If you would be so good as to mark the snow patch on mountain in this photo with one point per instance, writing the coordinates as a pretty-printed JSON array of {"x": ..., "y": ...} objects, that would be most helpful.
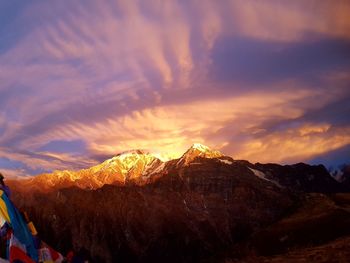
[
  {"x": 226, "y": 161},
  {"x": 262, "y": 176}
]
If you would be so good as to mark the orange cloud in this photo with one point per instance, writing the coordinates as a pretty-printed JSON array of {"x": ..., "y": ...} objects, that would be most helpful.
[
  {"x": 170, "y": 129},
  {"x": 294, "y": 145}
]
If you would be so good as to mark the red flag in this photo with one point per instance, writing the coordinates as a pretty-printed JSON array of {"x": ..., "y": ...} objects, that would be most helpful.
[{"x": 18, "y": 251}]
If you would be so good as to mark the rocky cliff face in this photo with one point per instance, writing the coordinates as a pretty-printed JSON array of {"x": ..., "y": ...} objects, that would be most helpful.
[{"x": 136, "y": 208}]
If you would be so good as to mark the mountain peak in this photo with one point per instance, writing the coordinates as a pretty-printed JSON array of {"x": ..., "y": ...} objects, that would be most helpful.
[
  {"x": 129, "y": 159},
  {"x": 198, "y": 150},
  {"x": 200, "y": 147}
]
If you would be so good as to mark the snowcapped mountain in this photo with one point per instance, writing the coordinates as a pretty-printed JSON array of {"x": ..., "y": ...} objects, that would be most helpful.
[
  {"x": 140, "y": 167},
  {"x": 129, "y": 166},
  {"x": 136, "y": 166}
]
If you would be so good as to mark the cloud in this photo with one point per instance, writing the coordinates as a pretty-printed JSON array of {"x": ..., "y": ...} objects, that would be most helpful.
[
  {"x": 171, "y": 128},
  {"x": 295, "y": 145},
  {"x": 40, "y": 162},
  {"x": 84, "y": 80}
]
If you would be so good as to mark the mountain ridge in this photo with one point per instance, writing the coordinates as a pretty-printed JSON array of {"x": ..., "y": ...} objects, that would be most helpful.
[
  {"x": 136, "y": 166},
  {"x": 140, "y": 167}
]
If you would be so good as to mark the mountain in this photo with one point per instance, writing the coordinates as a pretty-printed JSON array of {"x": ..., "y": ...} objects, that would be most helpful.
[
  {"x": 139, "y": 167},
  {"x": 201, "y": 207},
  {"x": 196, "y": 211},
  {"x": 345, "y": 175},
  {"x": 131, "y": 167},
  {"x": 126, "y": 167}
]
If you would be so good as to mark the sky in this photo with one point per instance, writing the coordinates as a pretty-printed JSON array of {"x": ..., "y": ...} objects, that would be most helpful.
[{"x": 81, "y": 81}]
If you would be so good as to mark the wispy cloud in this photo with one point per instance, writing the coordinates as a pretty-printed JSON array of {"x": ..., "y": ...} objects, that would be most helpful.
[{"x": 246, "y": 77}]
